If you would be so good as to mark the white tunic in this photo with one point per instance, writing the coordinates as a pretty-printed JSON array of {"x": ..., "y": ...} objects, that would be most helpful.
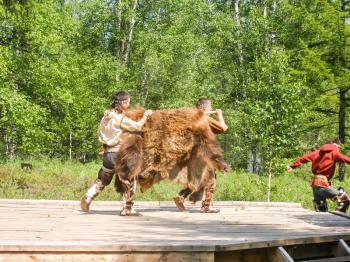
[{"x": 112, "y": 126}]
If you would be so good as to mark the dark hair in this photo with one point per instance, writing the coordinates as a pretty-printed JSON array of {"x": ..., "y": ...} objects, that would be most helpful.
[
  {"x": 119, "y": 97},
  {"x": 202, "y": 101}
]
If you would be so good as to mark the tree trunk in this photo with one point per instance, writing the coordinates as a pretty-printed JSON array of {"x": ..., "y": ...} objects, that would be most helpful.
[
  {"x": 341, "y": 132},
  {"x": 7, "y": 152},
  {"x": 119, "y": 27},
  {"x": 158, "y": 18},
  {"x": 250, "y": 161},
  {"x": 236, "y": 15},
  {"x": 124, "y": 47},
  {"x": 255, "y": 162},
  {"x": 144, "y": 89},
  {"x": 120, "y": 43},
  {"x": 342, "y": 104},
  {"x": 239, "y": 44},
  {"x": 269, "y": 182},
  {"x": 10, "y": 144},
  {"x": 70, "y": 146},
  {"x": 131, "y": 34}
]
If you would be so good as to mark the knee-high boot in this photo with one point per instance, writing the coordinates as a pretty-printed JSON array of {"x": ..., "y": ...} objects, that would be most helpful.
[
  {"x": 97, "y": 187},
  {"x": 128, "y": 198},
  {"x": 209, "y": 191}
]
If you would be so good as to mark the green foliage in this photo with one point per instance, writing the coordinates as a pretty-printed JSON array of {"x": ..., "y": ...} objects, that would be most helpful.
[{"x": 275, "y": 68}]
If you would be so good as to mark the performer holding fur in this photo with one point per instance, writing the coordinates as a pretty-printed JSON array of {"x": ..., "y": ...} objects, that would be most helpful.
[
  {"x": 178, "y": 144},
  {"x": 323, "y": 166},
  {"x": 208, "y": 183},
  {"x": 112, "y": 125}
]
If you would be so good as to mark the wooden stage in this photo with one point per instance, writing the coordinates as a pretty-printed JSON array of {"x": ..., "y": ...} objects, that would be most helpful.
[{"x": 56, "y": 230}]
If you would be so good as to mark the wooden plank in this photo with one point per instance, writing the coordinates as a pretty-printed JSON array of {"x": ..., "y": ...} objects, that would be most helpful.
[
  {"x": 264, "y": 226},
  {"x": 150, "y": 240},
  {"x": 279, "y": 254},
  {"x": 146, "y": 203},
  {"x": 59, "y": 226},
  {"x": 137, "y": 257},
  {"x": 223, "y": 210},
  {"x": 191, "y": 213},
  {"x": 147, "y": 245}
]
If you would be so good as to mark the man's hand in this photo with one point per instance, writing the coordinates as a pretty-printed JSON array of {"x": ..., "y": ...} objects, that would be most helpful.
[
  {"x": 148, "y": 113},
  {"x": 289, "y": 169},
  {"x": 219, "y": 112}
]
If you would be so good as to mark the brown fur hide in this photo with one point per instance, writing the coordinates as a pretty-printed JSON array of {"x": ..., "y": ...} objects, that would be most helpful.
[{"x": 176, "y": 144}]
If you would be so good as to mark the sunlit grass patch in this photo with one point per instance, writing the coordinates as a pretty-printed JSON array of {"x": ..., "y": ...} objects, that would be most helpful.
[{"x": 55, "y": 179}]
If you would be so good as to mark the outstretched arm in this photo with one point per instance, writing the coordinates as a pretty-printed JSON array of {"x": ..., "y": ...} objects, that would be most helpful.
[
  {"x": 339, "y": 157},
  {"x": 300, "y": 161}
]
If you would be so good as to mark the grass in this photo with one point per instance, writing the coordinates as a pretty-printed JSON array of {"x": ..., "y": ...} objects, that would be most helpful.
[{"x": 55, "y": 179}]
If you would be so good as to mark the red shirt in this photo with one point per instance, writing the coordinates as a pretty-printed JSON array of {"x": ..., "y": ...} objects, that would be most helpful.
[{"x": 323, "y": 163}]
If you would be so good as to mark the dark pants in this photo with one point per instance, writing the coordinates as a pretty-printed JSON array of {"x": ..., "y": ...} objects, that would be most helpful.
[
  {"x": 321, "y": 194},
  {"x": 109, "y": 162},
  {"x": 105, "y": 175},
  {"x": 105, "y": 178}
]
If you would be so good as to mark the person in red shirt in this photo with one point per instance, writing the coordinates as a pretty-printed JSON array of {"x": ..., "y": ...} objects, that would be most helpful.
[{"x": 323, "y": 166}]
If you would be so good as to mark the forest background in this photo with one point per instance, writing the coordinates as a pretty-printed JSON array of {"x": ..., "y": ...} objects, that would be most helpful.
[{"x": 279, "y": 70}]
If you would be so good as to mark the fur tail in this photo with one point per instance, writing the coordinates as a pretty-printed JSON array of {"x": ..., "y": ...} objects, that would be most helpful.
[{"x": 129, "y": 162}]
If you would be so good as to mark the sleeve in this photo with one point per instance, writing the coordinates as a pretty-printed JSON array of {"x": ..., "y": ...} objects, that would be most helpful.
[
  {"x": 302, "y": 160},
  {"x": 130, "y": 125},
  {"x": 339, "y": 157},
  {"x": 216, "y": 126}
]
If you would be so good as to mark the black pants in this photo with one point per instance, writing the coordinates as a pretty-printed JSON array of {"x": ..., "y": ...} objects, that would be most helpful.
[
  {"x": 323, "y": 193},
  {"x": 108, "y": 164}
]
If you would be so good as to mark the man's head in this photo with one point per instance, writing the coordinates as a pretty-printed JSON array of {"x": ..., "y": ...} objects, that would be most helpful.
[
  {"x": 336, "y": 142},
  {"x": 121, "y": 100},
  {"x": 204, "y": 104}
]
